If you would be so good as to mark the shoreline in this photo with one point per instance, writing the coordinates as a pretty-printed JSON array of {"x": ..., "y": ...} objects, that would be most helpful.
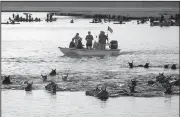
[{"x": 129, "y": 13}]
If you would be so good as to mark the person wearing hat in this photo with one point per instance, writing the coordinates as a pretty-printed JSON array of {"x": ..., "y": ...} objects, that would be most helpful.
[
  {"x": 102, "y": 40},
  {"x": 76, "y": 38},
  {"x": 89, "y": 39}
]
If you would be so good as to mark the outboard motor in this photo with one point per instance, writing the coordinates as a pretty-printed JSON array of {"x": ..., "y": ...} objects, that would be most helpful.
[{"x": 114, "y": 44}]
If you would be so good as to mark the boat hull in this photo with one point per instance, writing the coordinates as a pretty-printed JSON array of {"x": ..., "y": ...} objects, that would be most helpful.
[{"x": 85, "y": 52}]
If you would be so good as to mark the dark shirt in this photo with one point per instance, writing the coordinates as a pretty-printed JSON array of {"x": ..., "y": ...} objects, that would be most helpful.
[
  {"x": 102, "y": 39},
  {"x": 89, "y": 39},
  {"x": 79, "y": 46},
  {"x": 72, "y": 45}
]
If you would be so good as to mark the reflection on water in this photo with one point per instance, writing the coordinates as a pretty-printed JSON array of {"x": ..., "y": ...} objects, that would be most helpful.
[{"x": 40, "y": 103}]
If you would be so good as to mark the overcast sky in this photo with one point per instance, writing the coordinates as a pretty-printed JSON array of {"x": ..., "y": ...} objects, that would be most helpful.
[
  {"x": 30, "y": 5},
  {"x": 90, "y": 4}
]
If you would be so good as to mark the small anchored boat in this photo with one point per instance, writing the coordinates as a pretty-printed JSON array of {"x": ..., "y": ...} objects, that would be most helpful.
[
  {"x": 118, "y": 23},
  {"x": 72, "y": 21},
  {"x": 86, "y": 52},
  {"x": 9, "y": 23}
]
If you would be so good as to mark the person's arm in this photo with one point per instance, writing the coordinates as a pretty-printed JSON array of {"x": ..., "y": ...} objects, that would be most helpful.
[
  {"x": 73, "y": 38},
  {"x": 70, "y": 45},
  {"x": 107, "y": 37},
  {"x": 99, "y": 39}
]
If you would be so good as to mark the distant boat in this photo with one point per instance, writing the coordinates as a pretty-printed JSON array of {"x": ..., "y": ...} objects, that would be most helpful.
[
  {"x": 95, "y": 22},
  {"x": 72, "y": 21},
  {"x": 118, "y": 23},
  {"x": 86, "y": 52},
  {"x": 27, "y": 13},
  {"x": 157, "y": 23},
  {"x": 9, "y": 23},
  {"x": 53, "y": 19}
]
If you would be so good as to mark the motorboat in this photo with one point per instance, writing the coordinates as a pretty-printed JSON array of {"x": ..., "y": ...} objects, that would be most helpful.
[{"x": 87, "y": 52}]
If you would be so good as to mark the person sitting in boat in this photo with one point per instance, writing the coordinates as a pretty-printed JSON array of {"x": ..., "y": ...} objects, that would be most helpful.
[
  {"x": 72, "y": 44},
  {"x": 76, "y": 38},
  {"x": 12, "y": 22},
  {"x": 102, "y": 40},
  {"x": 79, "y": 45},
  {"x": 89, "y": 39}
]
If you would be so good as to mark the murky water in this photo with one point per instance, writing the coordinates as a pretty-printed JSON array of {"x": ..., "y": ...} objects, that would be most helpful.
[
  {"x": 32, "y": 48},
  {"x": 40, "y": 103}
]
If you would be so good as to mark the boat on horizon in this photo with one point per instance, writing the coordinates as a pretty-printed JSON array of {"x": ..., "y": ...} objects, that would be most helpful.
[{"x": 9, "y": 23}]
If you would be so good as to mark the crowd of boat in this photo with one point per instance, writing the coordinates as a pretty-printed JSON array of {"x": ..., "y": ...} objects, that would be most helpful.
[
  {"x": 162, "y": 20},
  {"x": 154, "y": 21},
  {"x": 16, "y": 18}
]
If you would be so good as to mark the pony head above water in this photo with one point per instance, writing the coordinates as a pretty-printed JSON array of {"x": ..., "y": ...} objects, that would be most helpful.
[
  {"x": 161, "y": 74},
  {"x": 130, "y": 64},
  {"x": 52, "y": 87},
  {"x": 53, "y": 72},
  {"x": 160, "y": 78},
  {"x": 173, "y": 66},
  {"x": 44, "y": 77},
  {"x": 6, "y": 80},
  {"x": 103, "y": 94},
  {"x": 29, "y": 86},
  {"x": 64, "y": 77},
  {"x": 166, "y": 66},
  {"x": 146, "y": 65}
]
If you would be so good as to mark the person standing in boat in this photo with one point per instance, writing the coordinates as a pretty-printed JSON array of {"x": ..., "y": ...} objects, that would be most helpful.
[
  {"x": 89, "y": 39},
  {"x": 76, "y": 38},
  {"x": 102, "y": 40}
]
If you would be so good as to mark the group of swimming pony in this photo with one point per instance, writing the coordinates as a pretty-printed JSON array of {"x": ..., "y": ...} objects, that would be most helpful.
[{"x": 101, "y": 45}]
